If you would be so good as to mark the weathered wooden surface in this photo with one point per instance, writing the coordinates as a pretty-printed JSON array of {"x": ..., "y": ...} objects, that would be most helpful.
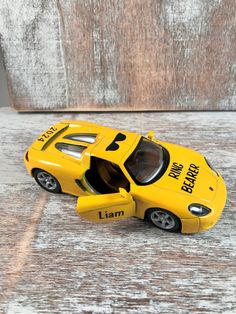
[
  {"x": 120, "y": 55},
  {"x": 52, "y": 261}
]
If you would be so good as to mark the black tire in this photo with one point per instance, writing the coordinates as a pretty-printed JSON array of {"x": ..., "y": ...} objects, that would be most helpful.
[
  {"x": 163, "y": 219},
  {"x": 47, "y": 181}
]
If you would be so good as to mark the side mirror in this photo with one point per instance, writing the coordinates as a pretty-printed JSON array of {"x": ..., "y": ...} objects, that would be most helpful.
[
  {"x": 151, "y": 135},
  {"x": 123, "y": 192}
]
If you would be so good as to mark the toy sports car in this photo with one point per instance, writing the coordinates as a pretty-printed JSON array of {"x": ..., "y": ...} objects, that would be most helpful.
[{"x": 120, "y": 174}]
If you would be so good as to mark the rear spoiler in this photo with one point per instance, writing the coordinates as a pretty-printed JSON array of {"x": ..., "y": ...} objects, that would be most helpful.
[{"x": 49, "y": 136}]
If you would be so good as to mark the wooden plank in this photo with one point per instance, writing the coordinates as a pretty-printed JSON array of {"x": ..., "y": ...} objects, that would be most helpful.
[
  {"x": 120, "y": 55},
  {"x": 52, "y": 261}
]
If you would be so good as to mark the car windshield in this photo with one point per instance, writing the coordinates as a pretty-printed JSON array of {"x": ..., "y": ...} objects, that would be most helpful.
[{"x": 147, "y": 162}]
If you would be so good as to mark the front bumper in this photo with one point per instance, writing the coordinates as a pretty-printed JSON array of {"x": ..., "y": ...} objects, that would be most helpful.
[
  {"x": 199, "y": 224},
  {"x": 217, "y": 206}
]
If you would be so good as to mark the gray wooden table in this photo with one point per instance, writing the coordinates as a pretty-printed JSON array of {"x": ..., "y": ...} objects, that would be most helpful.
[{"x": 52, "y": 261}]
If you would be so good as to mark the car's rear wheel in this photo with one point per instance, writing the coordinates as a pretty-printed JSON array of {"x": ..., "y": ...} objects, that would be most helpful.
[
  {"x": 47, "y": 181},
  {"x": 164, "y": 219}
]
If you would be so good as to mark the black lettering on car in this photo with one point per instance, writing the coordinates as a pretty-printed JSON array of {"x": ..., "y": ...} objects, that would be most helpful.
[
  {"x": 47, "y": 134},
  {"x": 186, "y": 189},
  {"x": 106, "y": 215},
  {"x": 191, "y": 174},
  {"x": 175, "y": 170},
  {"x": 190, "y": 179}
]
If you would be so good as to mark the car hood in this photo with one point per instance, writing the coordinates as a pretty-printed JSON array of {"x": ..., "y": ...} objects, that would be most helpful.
[{"x": 188, "y": 174}]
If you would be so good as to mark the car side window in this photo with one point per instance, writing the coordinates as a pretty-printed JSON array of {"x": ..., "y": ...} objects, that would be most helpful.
[
  {"x": 82, "y": 137},
  {"x": 70, "y": 149}
]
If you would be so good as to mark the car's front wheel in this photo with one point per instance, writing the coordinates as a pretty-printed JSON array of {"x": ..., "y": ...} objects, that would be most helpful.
[
  {"x": 163, "y": 219},
  {"x": 47, "y": 181}
]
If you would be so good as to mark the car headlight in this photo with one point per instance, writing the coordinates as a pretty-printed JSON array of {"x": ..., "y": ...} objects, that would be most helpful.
[{"x": 199, "y": 210}]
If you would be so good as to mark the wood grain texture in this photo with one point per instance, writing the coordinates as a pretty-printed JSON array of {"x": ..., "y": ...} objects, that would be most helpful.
[
  {"x": 52, "y": 261},
  {"x": 120, "y": 55}
]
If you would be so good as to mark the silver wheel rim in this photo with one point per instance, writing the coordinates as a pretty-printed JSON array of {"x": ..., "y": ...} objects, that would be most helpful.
[
  {"x": 162, "y": 220},
  {"x": 47, "y": 181}
]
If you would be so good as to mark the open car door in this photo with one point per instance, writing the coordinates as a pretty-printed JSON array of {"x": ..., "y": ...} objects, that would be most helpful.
[{"x": 106, "y": 207}]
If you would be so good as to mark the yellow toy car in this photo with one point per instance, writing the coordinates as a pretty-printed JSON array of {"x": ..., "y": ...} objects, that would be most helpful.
[{"x": 120, "y": 174}]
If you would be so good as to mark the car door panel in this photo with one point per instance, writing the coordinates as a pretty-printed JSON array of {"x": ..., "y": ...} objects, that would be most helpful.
[{"x": 106, "y": 207}]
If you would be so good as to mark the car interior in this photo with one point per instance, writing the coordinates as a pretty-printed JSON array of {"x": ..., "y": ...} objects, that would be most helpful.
[{"x": 106, "y": 177}]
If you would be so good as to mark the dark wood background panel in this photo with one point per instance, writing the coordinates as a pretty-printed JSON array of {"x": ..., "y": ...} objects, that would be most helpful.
[{"x": 120, "y": 55}]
